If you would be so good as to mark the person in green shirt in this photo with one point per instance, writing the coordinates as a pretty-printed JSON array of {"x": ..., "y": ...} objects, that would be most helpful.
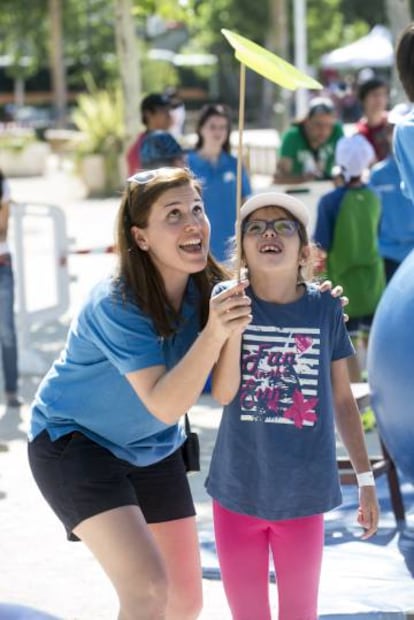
[{"x": 307, "y": 150}]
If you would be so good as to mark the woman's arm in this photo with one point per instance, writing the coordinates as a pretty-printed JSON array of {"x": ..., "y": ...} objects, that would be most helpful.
[
  {"x": 169, "y": 394},
  {"x": 349, "y": 426},
  {"x": 284, "y": 174}
]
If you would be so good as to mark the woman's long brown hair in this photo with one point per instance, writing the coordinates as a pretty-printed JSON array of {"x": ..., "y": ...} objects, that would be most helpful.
[{"x": 138, "y": 277}]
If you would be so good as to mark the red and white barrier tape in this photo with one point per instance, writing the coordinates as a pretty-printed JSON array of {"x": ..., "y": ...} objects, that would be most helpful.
[{"x": 109, "y": 249}]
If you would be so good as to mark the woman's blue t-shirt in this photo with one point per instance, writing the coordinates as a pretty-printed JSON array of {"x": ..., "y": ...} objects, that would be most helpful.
[
  {"x": 86, "y": 389},
  {"x": 403, "y": 147}
]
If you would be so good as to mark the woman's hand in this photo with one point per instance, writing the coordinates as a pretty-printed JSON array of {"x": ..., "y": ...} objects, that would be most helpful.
[
  {"x": 336, "y": 291},
  {"x": 229, "y": 312}
]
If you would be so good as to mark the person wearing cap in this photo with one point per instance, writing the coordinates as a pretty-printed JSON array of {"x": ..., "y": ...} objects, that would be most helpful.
[
  {"x": 346, "y": 234},
  {"x": 155, "y": 115},
  {"x": 396, "y": 233},
  {"x": 404, "y": 130},
  {"x": 273, "y": 471},
  {"x": 212, "y": 162},
  {"x": 159, "y": 149},
  {"x": 373, "y": 95},
  {"x": 308, "y": 147}
]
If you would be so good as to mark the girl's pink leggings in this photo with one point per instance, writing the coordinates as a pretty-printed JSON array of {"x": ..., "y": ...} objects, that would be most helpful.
[{"x": 243, "y": 545}]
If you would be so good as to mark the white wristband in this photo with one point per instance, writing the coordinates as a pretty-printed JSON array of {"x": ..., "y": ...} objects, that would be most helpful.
[{"x": 366, "y": 479}]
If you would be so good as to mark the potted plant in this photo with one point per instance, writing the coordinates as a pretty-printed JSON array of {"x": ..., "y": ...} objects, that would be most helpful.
[
  {"x": 21, "y": 154},
  {"x": 99, "y": 117}
]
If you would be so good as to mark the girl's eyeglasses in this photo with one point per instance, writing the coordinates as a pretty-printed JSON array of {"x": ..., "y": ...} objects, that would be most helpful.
[{"x": 284, "y": 228}]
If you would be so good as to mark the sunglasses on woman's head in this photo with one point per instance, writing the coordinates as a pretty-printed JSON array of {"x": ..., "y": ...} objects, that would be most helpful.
[
  {"x": 145, "y": 176},
  {"x": 141, "y": 178},
  {"x": 284, "y": 228}
]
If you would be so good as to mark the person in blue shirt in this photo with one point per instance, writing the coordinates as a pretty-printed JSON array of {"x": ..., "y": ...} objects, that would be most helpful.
[
  {"x": 105, "y": 438},
  {"x": 396, "y": 231},
  {"x": 212, "y": 162},
  {"x": 404, "y": 130},
  {"x": 284, "y": 384}
]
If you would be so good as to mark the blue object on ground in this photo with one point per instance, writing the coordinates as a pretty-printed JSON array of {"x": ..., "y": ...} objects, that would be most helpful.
[
  {"x": 9, "y": 611},
  {"x": 390, "y": 367}
]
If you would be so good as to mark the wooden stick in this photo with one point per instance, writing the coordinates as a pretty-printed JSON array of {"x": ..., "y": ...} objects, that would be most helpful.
[{"x": 242, "y": 91}]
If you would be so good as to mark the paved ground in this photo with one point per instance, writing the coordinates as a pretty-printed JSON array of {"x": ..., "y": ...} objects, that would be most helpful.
[{"x": 38, "y": 568}]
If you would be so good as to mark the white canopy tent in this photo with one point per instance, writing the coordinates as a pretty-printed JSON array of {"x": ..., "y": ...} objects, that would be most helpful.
[
  {"x": 182, "y": 60},
  {"x": 373, "y": 50}
]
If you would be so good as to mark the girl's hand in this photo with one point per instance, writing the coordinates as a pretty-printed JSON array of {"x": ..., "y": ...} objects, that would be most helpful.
[
  {"x": 229, "y": 312},
  {"x": 336, "y": 291},
  {"x": 368, "y": 511}
]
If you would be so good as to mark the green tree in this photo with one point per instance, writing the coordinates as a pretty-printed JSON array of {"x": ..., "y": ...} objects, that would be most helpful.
[
  {"x": 57, "y": 62},
  {"x": 89, "y": 43},
  {"x": 399, "y": 14},
  {"x": 88, "y": 38},
  {"x": 22, "y": 43},
  {"x": 129, "y": 66}
]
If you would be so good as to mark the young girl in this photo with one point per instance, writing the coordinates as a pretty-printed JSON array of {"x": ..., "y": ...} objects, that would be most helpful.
[
  {"x": 105, "y": 443},
  {"x": 284, "y": 383}
]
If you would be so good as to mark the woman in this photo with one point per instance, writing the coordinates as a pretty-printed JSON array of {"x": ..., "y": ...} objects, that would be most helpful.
[
  {"x": 8, "y": 341},
  {"x": 212, "y": 162},
  {"x": 104, "y": 434}
]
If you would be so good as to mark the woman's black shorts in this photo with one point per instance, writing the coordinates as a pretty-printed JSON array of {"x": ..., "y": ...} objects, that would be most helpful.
[{"x": 80, "y": 479}]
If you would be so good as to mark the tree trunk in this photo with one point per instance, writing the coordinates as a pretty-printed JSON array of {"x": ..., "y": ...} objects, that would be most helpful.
[
  {"x": 301, "y": 53},
  {"x": 274, "y": 109},
  {"x": 399, "y": 16},
  {"x": 129, "y": 67},
  {"x": 57, "y": 62}
]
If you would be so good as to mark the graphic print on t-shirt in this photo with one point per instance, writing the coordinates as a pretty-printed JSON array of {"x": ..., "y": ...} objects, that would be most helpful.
[{"x": 280, "y": 375}]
